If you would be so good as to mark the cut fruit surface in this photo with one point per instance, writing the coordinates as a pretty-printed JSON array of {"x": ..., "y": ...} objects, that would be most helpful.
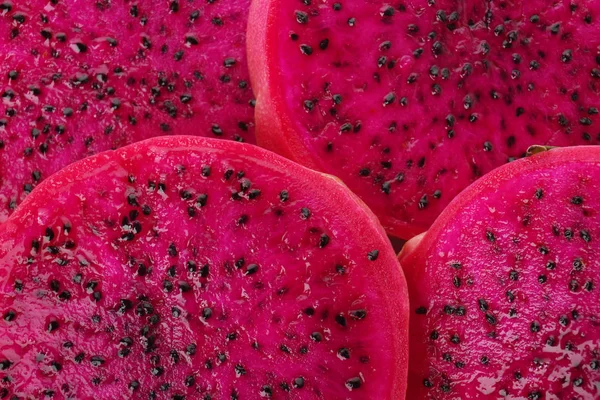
[
  {"x": 81, "y": 77},
  {"x": 408, "y": 102},
  {"x": 504, "y": 286},
  {"x": 192, "y": 268}
]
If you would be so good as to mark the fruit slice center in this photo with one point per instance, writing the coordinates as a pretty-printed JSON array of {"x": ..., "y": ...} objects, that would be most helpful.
[
  {"x": 162, "y": 273},
  {"x": 511, "y": 307}
]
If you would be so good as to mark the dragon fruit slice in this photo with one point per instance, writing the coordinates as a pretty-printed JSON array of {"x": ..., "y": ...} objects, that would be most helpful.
[
  {"x": 80, "y": 77},
  {"x": 410, "y": 101},
  {"x": 193, "y": 268},
  {"x": 504, "y": 296}
]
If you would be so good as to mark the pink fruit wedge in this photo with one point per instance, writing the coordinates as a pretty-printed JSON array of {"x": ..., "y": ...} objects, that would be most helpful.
[
  {"x": 81, "y": 77},
  {"x": 504, "y": 286},
  {"x": 410, "y": 101},
  {"x": 191, "y": 268}
]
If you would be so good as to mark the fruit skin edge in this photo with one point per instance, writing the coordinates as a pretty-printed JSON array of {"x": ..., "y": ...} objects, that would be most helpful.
[
  {"x": 272, "y": 117},
  {"x": 418, "y": 246}
]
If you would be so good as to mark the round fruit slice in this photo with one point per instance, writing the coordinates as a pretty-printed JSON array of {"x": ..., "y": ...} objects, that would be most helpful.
[
  {"x": 504, "y": 286},
  {"x": 408, "y": 102},
  {"x": 190, "y": 268},
  {"x": 80, "y": 77}
]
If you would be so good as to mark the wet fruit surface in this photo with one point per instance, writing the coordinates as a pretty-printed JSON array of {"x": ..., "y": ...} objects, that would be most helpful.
[
  {"x": 199, "y": 270},
  {"x": 80, "y": 77},
  {"x": 408, "y": 102},
  {"x": 511, "y": 304}
]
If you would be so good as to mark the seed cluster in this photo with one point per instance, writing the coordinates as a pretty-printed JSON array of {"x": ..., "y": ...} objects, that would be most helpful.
[{"x": 83, "y": 78}]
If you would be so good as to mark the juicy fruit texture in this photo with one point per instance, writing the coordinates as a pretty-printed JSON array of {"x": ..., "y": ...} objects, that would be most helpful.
[
  {"x": 408, "y": 102},
  {"x": 505, "y": 300},
  {"x": 187, "y": 268},
  {"x": 80, "y": 77}
]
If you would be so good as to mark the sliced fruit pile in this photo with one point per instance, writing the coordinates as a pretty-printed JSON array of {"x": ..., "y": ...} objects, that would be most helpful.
[{"x": 144, "y": 257}]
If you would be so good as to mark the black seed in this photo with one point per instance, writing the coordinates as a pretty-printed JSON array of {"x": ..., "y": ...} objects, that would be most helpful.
[
  {"x": 97, "y": 361},
  {"x": 573, "y": 285},
  {"x": 490, "y": 319},
  {"x": 266, "y": 391},
  {"x": 577, "y": 200},
  {"x": 191, "y": 39},
  {"x": 191, "y": 349},
  {"x": 308, "y": 105},
  {"x": 304, "y": 212},
  {"x": 52, "y": 326},
  {"x": 421, "y": 310},
  {"x": 306, "y": 49},
  {"x": 189, "y": 381},
  {"x": 353, "y": 383},
  {"x": 184, "y": 286},
  {"x": 298, "y": 382},
  {"x": 229, "y": 62},
  {"x": 301, "y": 17},
  {"x": 323, "y": 240},
  {"x": 10, "y": 315},
  {"x": 389, "y": 99},
  {"x": 344, "y": 353},
  {"x": 194, "y": 15},
  {"x": 456, "y": 281},
  {"x": 358, "y": 314},
  {"x": 309, "y": 311},
  {"x": 251, "y": 269},
  {"x": 372, "y": 255}
]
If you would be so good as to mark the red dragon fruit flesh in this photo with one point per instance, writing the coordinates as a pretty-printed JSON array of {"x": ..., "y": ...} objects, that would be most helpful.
[
  {"x": 409, "y": 101},
  {"x": 193, "y": 268},
  {"x": 81, "y": 77},
  {"x": 504, "y": 286}
]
